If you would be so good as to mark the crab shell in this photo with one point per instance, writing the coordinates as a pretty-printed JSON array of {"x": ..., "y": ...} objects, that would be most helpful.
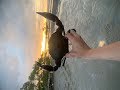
[{"x": 58, "y": 46}]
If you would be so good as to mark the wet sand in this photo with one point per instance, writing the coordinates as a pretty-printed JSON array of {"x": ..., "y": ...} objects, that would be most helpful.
[{"x": 96, "y": 21}]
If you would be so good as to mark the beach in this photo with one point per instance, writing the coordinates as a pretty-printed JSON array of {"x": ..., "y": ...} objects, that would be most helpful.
[{"x": 98, "y": 23}]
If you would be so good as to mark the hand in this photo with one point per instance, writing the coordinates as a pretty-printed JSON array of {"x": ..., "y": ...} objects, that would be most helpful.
[{"x": 79, "y": 47}]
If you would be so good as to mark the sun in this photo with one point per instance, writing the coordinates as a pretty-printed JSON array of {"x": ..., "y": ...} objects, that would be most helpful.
[{"x": 43, "y": 42}]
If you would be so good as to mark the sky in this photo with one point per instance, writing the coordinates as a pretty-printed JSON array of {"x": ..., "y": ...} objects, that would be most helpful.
[{"x": 20, "y": 40}]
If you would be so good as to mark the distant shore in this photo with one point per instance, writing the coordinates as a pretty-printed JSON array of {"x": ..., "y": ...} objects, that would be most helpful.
[{"x": 52, "y": 8}]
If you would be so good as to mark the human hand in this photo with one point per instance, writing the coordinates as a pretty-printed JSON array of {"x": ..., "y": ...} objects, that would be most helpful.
[{"x": 79, "y": 47}]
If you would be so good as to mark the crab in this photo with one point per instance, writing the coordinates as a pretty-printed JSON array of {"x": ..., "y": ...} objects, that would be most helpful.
[{"x": 57, "y": 44}]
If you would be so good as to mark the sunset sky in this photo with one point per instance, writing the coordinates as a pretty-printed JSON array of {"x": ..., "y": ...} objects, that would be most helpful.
[
  {"x": 40, "y": 22},
  {"x": 20, "y": 40}
]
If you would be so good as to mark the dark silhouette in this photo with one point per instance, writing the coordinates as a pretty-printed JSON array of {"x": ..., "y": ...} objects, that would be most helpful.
[{"x": 58, "y": 43}]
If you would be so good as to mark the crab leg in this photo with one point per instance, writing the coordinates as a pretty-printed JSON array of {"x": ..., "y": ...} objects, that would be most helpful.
[
  {"x": 49, "y": 67},
  {"x": 53, "y": 18}
]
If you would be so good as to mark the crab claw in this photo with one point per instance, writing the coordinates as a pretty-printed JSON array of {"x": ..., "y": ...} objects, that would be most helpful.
[{"x": 51, "y": 17}]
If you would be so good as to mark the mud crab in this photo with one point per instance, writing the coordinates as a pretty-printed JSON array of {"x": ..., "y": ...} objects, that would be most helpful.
[{"x": 58, "y": 43}]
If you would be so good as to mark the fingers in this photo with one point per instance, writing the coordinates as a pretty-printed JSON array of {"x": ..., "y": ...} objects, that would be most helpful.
[
  {"x": 73, "y": 32},
  {"x": 71, "y": 35},
  {"x": 78, "y": 44}
]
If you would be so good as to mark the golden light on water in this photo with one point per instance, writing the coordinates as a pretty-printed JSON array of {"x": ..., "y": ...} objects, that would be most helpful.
[
  {"x": 41, "y": 6},
  {"x": 44, "y": 38},
  {"x": 43, "y": 42}
]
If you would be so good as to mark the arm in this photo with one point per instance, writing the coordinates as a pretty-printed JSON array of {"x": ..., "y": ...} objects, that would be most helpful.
[
  {"x": 111, "y": 51},
  {"x": 81, "y": 49}
]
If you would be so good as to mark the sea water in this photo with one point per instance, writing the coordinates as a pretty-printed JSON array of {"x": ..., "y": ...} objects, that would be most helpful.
[{"x": 98, "y": 23}]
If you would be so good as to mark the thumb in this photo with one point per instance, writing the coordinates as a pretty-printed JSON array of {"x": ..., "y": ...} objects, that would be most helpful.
[{"x": 70, "y": 37}]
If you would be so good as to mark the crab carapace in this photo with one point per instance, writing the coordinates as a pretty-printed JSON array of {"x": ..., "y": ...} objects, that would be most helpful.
[{"x": 58, "y": 43}]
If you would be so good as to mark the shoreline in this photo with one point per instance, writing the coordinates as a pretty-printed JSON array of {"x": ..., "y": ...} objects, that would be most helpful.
[{"x": 52, "y": 8}]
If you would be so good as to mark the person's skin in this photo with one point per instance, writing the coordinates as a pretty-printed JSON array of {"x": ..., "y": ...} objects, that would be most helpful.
[{"x": 81, "y": 49}]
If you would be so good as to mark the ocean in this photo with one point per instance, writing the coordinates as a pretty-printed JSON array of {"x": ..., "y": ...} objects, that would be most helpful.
[{"x": 98, "y": 23}]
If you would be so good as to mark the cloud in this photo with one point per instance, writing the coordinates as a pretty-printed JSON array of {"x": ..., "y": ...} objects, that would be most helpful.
[{"x": 17, "y": 42}]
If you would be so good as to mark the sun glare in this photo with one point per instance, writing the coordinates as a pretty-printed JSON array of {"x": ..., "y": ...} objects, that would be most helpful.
[
  {"x": 43, "y": 42},
  {"x": 41, "y": 6},
  {"x": 101, "y": 43}
]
